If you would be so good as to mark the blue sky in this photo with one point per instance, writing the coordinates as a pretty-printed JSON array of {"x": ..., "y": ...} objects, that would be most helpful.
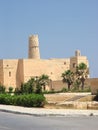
[{"x": 63, "y": 26}]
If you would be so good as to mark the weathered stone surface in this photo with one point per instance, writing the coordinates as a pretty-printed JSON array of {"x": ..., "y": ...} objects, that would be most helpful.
[
  {"x": 73, "y": 105},
  {"x": 94, "y": 85}
]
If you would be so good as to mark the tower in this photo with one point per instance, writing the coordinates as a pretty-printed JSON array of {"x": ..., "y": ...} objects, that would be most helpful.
[
  {"x": 34, "y": 47},
  {"x": 77, "y": 53}
]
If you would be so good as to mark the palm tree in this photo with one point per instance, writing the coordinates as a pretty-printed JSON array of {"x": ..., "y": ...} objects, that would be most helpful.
[
  {"x": 82, "y": 73},
  {"x": 68, "y": 77},
  {"x": 41, "y": 82},
  {"x": 44, "y": 80}
]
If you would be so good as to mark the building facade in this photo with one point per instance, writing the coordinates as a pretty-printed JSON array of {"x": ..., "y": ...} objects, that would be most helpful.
[{"x": 13, "y": 72}]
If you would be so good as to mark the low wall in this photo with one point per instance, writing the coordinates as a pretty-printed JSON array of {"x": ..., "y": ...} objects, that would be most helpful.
[
  {"x": 58, "y": 85},
  {"x": 94, "y": 85},
  {"x": 73, "y": 105}
]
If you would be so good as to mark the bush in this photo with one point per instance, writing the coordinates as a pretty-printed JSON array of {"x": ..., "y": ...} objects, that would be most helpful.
[
  {"x": 64, "y": 89},
  {"x": 10, "y": 89},
  {"x": 30, "y": 100},
  {"x": 2, "y": 89},
  {"x": 6, "y": 99},
  {"x": 17, "y": 91}
]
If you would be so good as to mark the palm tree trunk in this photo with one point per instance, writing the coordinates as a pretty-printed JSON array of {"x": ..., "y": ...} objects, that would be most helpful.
[
  {"x": 68, "y": 87},
  {"x": 82, "y": 86}
]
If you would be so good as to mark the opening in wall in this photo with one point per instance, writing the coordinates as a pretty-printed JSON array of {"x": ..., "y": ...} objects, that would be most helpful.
[
  {"x": 74, "y": 65},
  {"x": 9, "y": 73}
]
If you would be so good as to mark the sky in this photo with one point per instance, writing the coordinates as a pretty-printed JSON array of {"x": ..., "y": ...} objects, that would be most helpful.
[{"x": 63, "y": 26}]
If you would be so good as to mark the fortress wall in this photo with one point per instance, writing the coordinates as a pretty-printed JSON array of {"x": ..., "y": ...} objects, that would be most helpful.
[
  {"x": 20, "y": 73},
  {"x": 75, "y": 61},
  {"x": 58, "y": 85},
  {"x": 1, "y": 72},
  {"x": 53, "y": 68},
  {"x": 9, "y": 72},
  {"x": 83, "y": 59},
  {"x": 94, "y": 85}
]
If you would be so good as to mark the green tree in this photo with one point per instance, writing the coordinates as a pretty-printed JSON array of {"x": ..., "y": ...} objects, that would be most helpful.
[
  {"x": 82, "y": 73},
  {"x": 41, "y": 82},
  {"x": 35, "y": 85},
  {"x": 68, "y": 77},
  {"x": 28, "y": 87},
  {"x": 10, "y": 89},
  {"x": 44, "y": 80},
  {"x": 2, "y": 88}
]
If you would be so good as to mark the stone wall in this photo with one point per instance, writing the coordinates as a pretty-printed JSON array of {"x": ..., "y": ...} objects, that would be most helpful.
[
  {"x": 13, "y": 72},
  {"x": 57, "y": 85},
  {"x": 9, "y": 73},
  {"x": 53, "y": 68},
  {"x": 94, "y": 85},
  {"x": 1, "y": 72}
]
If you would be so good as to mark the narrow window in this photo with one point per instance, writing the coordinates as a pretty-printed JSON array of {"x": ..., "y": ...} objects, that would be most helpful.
[
  {"x": 51, "y": 73},
  {"x": 64, "y": 63},
  {"x": 9, "y": 74},
  {"x": 74, "y": 65}
]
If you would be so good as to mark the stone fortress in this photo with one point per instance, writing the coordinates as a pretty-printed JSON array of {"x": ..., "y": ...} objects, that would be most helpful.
[{"x": 13, "y": 72}]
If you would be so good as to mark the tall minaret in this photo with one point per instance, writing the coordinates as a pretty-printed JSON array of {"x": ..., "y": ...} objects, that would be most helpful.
[{"x": 34, "y": 47}]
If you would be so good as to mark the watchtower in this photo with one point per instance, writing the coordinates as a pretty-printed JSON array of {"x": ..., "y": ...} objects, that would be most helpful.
[
  {"x": 34, "y": 47},
  {"x": 77, "y": 53}
]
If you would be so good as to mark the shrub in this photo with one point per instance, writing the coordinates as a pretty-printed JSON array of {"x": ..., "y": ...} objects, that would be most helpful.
[
  {"x": 30, "y": 100},
  {"x": 64, "y": 89},
  {"x": 6, "y": 99},
  {"x": 2, "y": 89},
  {"x": 17, "y": 91},
  {"x": 10, "y": 89}
]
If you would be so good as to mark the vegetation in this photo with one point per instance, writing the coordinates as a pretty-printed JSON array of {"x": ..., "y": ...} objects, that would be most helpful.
[
  {"x": 43, "y": 81},
  {"x": 68, "y": 77},
  {"x": 28, "y": 87},
  {"x": 27, "y": 100},
  {"x": 2, "y": 89},
  {"x": 10, "y": 89},
  {"x": 29, "y": 94},
  {"x": 77, "y": 78},
  {"x": 81, "y": 74},
  {"x": 34, "y": 85}
]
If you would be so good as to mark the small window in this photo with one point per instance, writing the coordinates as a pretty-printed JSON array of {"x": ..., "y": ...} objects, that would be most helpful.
[
  {"x": 74, "y": 65},
  {"x": 64, "y": 63},
  {"x": 51, "y": 73},
  {"x": 9, "y": 74}
]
